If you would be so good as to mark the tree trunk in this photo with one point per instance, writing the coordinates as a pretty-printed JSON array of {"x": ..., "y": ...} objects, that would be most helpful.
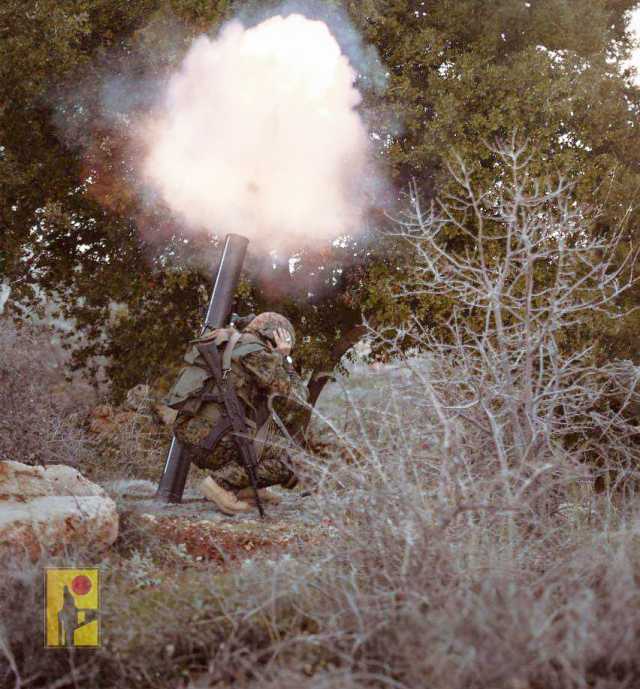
[{"x": 319, "y": 378}]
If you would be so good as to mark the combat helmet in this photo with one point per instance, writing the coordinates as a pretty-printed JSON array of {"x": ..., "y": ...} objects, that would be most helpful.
[{"x": 267, "y": 323}]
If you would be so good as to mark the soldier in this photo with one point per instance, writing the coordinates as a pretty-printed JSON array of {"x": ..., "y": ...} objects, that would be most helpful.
[{"x": 261, "y": 367}]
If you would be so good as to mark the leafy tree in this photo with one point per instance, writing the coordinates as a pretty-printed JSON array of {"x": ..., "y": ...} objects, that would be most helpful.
[
  {"x": 459, "y": 74},
  {"x": 470, "y": 73}
]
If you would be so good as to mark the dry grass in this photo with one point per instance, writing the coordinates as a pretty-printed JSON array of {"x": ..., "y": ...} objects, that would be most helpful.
[
  {"x": 417, "y": 585},
  {"x": 41, "y": 411},
  {"x": 132, "y": 445},
  {"x": 463, "y": 550},
  {"x": 48, "y": 418}
]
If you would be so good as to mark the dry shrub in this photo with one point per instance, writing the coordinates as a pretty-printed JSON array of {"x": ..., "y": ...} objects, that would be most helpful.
[
  {"x": 426, "y": 586},
  {"x": 23, "y": 660},
  {"x": 133, "y": 445},
  {"x": 414, "y": 584},
  {"x": 41, "y": 409},
  {"x": 409, "y": 588},
  {"x": 48, "y": 417},
  {"x": 443, "y": 568},
  {"x": 462, "y": 552}
]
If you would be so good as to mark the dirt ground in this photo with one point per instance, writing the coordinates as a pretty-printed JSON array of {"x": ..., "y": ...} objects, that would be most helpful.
[{"x": 209, "y": 535}]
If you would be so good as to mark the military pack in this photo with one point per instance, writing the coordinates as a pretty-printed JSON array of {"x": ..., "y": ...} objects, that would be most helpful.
[{"x": 186, "y": 393}]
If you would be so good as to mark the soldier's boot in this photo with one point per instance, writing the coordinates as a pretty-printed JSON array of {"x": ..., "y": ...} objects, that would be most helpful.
[
  {"x": 265, "y": 495},
  {"x": 223, "y": 499}
]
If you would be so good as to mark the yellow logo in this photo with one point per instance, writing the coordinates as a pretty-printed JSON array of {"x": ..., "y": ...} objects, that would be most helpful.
[{"x": 72, "y": 607}]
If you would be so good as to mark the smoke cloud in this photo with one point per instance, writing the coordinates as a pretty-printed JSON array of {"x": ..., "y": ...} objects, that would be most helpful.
[{"x": 258, "y": 133}]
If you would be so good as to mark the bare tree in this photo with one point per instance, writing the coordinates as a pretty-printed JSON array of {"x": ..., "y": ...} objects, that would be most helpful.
[{"x": 529, "y": 281}]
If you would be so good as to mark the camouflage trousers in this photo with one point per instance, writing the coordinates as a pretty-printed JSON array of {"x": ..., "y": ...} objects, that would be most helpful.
[{"x": 224, "y": 461}]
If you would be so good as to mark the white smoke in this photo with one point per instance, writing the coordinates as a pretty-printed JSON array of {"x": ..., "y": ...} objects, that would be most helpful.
[{"x": 259, "y": 134}]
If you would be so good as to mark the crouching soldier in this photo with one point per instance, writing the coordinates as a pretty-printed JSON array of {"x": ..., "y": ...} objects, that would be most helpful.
[{"x": 259, "y": 363}]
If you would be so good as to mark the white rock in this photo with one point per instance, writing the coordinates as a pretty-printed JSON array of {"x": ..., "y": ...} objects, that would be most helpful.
[
  {"x": 131, "y": 487},
  {"x": 47, "y": 509}
]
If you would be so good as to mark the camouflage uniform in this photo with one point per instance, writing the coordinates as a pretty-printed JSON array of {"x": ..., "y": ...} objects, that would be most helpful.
[{"x": 257, "y": 372}]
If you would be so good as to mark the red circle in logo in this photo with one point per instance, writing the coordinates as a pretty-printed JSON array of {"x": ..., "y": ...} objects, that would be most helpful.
[{"x": 81, "y": 585}]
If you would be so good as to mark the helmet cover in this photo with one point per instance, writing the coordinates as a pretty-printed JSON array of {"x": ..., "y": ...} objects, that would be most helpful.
[{"x": 267, "y": 323}]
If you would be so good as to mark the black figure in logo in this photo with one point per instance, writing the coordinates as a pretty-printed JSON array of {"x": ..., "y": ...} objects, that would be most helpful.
[{"x": 68, "y": 618}]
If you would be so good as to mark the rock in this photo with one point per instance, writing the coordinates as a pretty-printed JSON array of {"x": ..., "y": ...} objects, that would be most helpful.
[
  {"x": 105, "y": 419},
  {"x": 47, "y": 509},
  {"x": 99, "y": 426},
  {"x": 123, "y": 418},
  {"x": 128, "y": 487},
  {"x": 141, "y": 400},
  {"x": 102, "y": 411},
  {"x": 140, "y": 407}
]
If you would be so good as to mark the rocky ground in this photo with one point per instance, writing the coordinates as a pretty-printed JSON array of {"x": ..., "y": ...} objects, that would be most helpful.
[
  {"x": 195, "y": 524},
  {"x": 121, "y": 467},
  {"x": 207, "y": 534}
]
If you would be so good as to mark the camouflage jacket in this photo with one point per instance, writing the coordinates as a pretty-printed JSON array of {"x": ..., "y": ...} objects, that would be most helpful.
[{"x": 257, "y": 372}]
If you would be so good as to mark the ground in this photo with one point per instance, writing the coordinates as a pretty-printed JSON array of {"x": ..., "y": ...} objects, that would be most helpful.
[
  {"x": 381, "y": 577},
  {"x": 209, "y": 535}
]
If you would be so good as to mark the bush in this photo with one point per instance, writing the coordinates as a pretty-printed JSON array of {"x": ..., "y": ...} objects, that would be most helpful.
[
  {"x": 462, "y": 547},
  {"x": 132, "y": 446},
  {"x": 427, "y": 574},
  {"x": 532, "y": 285},
  {"x": 41, "y": 408}
]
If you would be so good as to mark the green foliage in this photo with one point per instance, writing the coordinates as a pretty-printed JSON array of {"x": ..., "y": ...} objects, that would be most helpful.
[
  {"x": 469, "y": 73},
  {"x": 459, "y": 74}
]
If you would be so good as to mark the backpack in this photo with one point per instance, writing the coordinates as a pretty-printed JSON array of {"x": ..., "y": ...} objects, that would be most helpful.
[{"x": 191, "y": 380}]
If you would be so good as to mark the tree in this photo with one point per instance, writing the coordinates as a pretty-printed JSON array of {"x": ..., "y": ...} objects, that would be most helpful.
[
  {"x": 513, "y": 367},
  {"x": 457, "y": 75},
  {"x": 474, "y": 73}
]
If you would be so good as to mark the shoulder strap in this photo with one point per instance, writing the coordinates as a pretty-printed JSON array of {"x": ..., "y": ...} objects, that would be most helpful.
[
  {"x": 251, "y": 338},
  {"x": 243, "y": 349},
  {"x": 226, "y": 357},
  {"x": 218, "y": 336},
  {"x": 247, "y": 343},
  {"x": 237, "y": 345}
]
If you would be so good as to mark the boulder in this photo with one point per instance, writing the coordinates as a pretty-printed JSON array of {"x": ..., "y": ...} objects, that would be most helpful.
[
  {"x": 48, "y": 509},
  {"x": 142, "y": 400},
  {"x": 102, "y": 411},
  {"x": 105, "y": 420},
  {"x": 141, "y": 407}
]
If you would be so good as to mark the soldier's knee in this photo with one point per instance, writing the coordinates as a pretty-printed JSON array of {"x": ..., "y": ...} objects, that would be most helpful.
[{"x": 190, "y": 429}]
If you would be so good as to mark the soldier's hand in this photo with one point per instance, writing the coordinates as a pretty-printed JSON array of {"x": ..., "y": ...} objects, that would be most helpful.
[{"x": 283, "y": 341}]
